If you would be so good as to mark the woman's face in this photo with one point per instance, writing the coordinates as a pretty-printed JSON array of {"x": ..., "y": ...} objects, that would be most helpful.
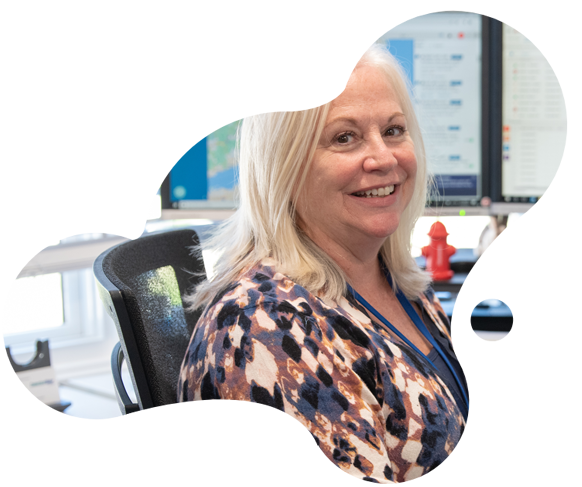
[{"x": 363, "y": 173}]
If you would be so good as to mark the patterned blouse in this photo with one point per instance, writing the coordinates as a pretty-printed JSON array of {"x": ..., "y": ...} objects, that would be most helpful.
[{"x": 377, "y": 410}]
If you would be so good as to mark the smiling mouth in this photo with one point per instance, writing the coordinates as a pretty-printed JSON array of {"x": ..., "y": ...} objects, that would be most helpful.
[{"x": 375, "y": 193}]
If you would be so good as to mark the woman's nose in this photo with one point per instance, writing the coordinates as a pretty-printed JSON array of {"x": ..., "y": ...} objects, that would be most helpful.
[{"x": 379, "y": 156}]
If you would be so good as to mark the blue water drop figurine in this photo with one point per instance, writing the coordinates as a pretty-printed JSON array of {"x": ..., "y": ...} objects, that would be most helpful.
[{"x": 535, "y": 261}]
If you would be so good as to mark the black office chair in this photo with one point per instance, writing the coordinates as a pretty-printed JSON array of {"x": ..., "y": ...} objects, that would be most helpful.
[{"x": 141, "y": 283}]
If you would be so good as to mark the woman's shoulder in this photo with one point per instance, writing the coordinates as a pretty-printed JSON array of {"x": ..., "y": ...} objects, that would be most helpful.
[
  {"x": 264, "y": 299},
  {"x": 266, "y": 309},
  {"x": 261, "y": 285}
]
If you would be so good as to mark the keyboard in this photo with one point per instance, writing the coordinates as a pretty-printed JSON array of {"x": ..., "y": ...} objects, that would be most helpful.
[{"x": 528, "y": 403}]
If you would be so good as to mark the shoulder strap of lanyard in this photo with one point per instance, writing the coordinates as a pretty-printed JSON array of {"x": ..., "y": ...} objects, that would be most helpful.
[{"x": 421, "y": 327}]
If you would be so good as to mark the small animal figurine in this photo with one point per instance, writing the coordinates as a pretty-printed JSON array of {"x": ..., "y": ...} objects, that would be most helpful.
[
  {"x": 495, "y": 242},
  {"x": 438, "y": 252}
]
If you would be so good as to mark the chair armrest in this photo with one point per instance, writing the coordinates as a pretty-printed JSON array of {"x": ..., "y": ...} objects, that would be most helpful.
[{"x": 117, "y": 359}]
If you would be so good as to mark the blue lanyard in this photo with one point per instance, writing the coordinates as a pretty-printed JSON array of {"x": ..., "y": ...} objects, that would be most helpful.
[{"x": 421, "y": 327}]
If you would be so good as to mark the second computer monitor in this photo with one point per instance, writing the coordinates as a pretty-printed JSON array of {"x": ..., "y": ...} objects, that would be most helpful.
[{"x": 533, "y": 121}]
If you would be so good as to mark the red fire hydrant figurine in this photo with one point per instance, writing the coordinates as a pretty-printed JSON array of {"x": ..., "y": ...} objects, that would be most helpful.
[{"x": 438, "y": 252}]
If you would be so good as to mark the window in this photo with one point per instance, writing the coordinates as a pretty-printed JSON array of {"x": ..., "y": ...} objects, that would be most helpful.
[{"x": 80, "y": 160}]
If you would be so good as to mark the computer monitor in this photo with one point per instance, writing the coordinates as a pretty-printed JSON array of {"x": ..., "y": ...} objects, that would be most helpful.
[
  {"x": 442, "y": 55},
  {"x": 533, "y": 126}
]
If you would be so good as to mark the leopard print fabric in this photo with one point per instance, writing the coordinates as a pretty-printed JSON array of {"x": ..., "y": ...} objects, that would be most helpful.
[{"x": 377, "y": 410}]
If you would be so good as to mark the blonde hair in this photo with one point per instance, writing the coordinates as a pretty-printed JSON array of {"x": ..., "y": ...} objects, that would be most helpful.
[{"x": 276, "y": 150}]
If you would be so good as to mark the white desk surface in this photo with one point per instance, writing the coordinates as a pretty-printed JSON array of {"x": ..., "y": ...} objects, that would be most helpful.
[{"x": 89, "y": 443}]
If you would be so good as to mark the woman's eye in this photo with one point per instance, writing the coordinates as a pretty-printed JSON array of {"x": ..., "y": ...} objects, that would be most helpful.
[
  {"x": 395, "y": 131},
  {"x": 344, "y": 138}
]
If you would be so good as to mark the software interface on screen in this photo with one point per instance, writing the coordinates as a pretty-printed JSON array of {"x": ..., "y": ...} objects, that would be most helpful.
[
  {"x": 533, "y": 120},
  {"x": 215, "y": 59}
]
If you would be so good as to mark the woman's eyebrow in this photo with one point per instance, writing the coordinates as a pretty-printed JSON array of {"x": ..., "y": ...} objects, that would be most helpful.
[
  {"x": 396, "y": 115},
  {"x": 355, "y": 122}
]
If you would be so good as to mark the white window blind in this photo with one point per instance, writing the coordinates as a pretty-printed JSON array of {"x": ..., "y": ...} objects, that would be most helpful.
[
  {"x": 80, "y": 128},
  {"x": 80, "y": 162}
]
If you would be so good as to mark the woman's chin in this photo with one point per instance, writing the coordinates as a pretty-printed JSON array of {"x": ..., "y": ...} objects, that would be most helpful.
[{"x": 380, "y": 229}]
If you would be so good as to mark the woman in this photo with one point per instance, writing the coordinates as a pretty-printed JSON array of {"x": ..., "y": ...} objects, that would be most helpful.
[{"x": 317, "y": 306}]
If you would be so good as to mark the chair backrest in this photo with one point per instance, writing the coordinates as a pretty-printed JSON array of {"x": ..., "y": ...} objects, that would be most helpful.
[{"x": 142, "y": 282}]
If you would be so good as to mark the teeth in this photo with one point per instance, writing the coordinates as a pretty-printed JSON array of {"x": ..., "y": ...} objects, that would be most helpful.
[{"x": 376, "y": 193}]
